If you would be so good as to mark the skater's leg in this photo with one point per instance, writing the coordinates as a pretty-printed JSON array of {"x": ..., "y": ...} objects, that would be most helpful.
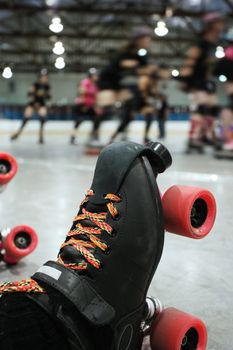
[
  {"x": 197, "y": 121},
  {"x": 161, "y": 125},
  {"x": 226, "y": 120},
  {"x": 196, "y": 127},
  {"x": 126, "y": 116},
  {"x": 42, "y": 112},
  {"x": 210, "y": 118},
  {"x": 148, "y": 121},
  {"x": 79, "y": 112},
  {"x": 97, "y": 118},
  {"x": 27, "y": 115}
]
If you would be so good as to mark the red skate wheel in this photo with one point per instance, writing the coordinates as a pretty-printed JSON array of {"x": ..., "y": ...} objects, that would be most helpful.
[
  {"x": 188, "y": 211},
  {"x": 8, "y": 168},
  {"x": 177, "y": 330},
  {"x": 21, "y": 241}
]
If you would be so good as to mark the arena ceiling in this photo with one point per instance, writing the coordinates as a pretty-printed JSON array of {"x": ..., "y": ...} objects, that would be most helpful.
[{"x": 94, "y": 29}]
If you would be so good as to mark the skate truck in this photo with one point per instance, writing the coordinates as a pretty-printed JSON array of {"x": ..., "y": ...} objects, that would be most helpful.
[{"x": 19, "y": 241}]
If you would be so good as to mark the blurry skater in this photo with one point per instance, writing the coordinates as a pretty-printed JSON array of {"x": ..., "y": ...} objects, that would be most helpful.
[
  {"x": 119, "y": 81},
  {"x": 86, "y": 103},
  {"x": 38, "y": 95},
  {"x": 155, "y": 103},
  {"x": 225, "y": 68},
  {"x": 197, "y": 78},
  {"x": 148, "y": 86},
  {"x": 162, "y": 112}
]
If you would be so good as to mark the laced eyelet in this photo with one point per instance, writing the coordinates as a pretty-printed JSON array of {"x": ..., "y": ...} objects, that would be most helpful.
[
  {"x": 107, "y": 251},
  {"x": 113, "y": 233},
  {"x": 116, "y": 217},
  {"x": 100, "y": 267},
  {"x": 119, "y": 195}
]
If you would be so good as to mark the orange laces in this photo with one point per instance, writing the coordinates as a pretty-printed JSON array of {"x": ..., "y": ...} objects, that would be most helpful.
[
  {"x": 83, "y": 245},
  {"x": 91, "y": 233}
]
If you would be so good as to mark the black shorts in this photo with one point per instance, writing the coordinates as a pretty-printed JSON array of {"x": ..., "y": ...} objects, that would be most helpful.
[
  {"x": 137, "y": 101},
  {"x": 37, "y": 103}
]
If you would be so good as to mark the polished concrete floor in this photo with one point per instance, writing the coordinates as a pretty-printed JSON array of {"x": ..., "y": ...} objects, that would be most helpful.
[{"x": 195, "y": 276}]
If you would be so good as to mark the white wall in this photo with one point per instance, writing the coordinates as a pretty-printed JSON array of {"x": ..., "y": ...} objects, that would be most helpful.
[{"x": 64, "y": 87}]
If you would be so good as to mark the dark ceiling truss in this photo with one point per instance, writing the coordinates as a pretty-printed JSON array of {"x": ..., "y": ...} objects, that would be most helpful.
[
  {"x": 93, "y": 30},
  {"x": 143, "y": 11}
]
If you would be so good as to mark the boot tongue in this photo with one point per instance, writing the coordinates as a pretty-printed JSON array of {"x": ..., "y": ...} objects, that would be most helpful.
[{"x": 71, "y": 255}]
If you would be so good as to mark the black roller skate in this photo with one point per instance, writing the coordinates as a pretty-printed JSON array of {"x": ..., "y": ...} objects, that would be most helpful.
[
  {"x": 194, "y": 146},
  {"x": 97, "y": 288}
]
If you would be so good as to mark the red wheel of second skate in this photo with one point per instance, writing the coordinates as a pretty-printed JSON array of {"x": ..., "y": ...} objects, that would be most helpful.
[
  {"x": 177, "y": 330},
  {"x": 21, "y": 241},
  {"x": 8, "y": 168},
  {"x": 188, "y": 211}
]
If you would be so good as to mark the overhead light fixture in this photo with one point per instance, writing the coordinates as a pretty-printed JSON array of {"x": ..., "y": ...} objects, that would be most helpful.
[
  {"x": 7, "y": 73},
  {"x": 56, "y": 25},
  {"x": 44, "y": 71},
  {"x": 142, "y": 52},
  {"x": 92, "y": 70},
  {"x": 155, "y": 17},
  {"x": 169, "y": 12},
  {"x": 161, "y": 29},
  {"x": 222, "y": 78},
  {"x": 51, "y": 2},
  {"x": 175, "y": 73},
  {"x": 58, "y": 48},
  {"x": 219, "y": 53},
  {"x": 60, "y": 63}
]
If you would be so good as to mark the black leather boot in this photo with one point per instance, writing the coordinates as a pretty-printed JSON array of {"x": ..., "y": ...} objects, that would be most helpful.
[{"x": 98, "y": 286}]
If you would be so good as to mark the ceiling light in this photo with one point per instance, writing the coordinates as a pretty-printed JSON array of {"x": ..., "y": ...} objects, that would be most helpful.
[
  {"x": 58, "y": 48},
  {"x": 51, "y": 2},
  {"x": 7, "y": 73},
  {"x": 142, "y": 52},
  {"x": 56, "y": 25},
  {"x": 92, "y": 70},
  {"x": 60, "y": 63},
  {"x": 169, "y": 12},
  {"x": 219, "y": 53},
  {"x": 175, "y": 73},
  {"x": 222, "y": 78},
  {"x": 161, "y": 29}
]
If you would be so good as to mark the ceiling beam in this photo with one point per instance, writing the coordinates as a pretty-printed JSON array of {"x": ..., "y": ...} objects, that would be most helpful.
[
  {"x": 95, "y": 10},
  {"x": 82, "y": 53},
  {"x": 70, "y": 35}
]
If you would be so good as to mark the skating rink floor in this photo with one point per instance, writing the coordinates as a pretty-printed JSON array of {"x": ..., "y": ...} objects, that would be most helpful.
[{"x": 194, "y": 276}]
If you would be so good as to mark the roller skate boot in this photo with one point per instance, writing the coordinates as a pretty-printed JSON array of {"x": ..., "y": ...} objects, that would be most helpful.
[{"x": 97, "y": 287}]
